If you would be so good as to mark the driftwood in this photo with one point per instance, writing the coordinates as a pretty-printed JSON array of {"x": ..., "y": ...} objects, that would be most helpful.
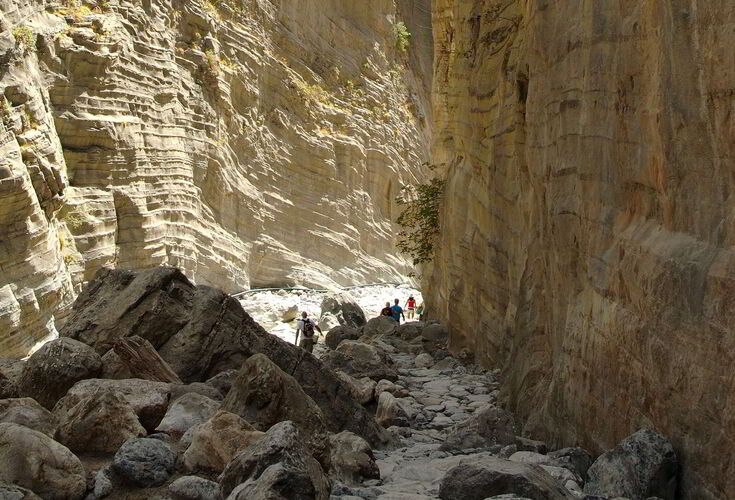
[{"x": 143, "y": 361}]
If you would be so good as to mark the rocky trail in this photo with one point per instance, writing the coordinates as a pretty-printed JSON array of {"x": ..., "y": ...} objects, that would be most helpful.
[{"x": 159, "y": 389}]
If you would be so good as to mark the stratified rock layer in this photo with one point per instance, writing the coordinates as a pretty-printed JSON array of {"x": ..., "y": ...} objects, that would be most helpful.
[
  {"x": 247, "y": 143},
  {"x": 588, "y": 225}
]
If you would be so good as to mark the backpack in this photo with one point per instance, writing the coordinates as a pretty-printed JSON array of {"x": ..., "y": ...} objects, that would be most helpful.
[{"x": 308, "y": 328}]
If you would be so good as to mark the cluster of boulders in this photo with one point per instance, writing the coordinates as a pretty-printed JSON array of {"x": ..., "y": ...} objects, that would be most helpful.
[{"x": 158, "y": 388}]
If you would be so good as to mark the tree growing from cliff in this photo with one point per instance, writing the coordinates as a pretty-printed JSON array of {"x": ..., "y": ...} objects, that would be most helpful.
[
  {"x": 420, "y": 219},
  {"x": 403, "y": 36}
]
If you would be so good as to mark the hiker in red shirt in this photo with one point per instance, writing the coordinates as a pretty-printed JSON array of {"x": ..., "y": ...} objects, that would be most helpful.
[{"x": 410, "y": 307}]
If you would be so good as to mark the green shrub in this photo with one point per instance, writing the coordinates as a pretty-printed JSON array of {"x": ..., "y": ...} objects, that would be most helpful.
[
  {"x": 420, "y": 219},
  {"x": 24, "y": 37},
  {"x": 403, "y": 36}
]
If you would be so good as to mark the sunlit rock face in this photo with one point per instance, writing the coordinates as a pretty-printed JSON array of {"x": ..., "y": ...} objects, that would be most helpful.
[
  {"x": 586, "y": 245},
  {"x": 246, "y": 142}
]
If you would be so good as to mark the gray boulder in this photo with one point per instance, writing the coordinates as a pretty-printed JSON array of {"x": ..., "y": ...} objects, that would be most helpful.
[
  {"x": 12, "y": 492},
  {"x": 487, "y": 427},
  {"x": 495, "y": 476},
  {"x": 187, "y": 411},
  {"x": 643, "y": 465},
  {"x": 392, "y": 411},
  {"x": 382, "y": 325},
  {"x": 144, "y": 462},
  {"x": 193, "y": 488},
  {"x": 27, "y": 412},
  {"x": 359, "y": 359},
  {"x": 340, "y": 333},
  {"x": 33, "y": 460},
  {"x": 362, "y": 389},
  {"x": 352, "y": 458},
  {"x": 298, "y": 472},
  {"x": 10, "y": 371},
  {"x": 51, "y": 371},
  {"x": 345, "y": 308},
  {"x": 222, "y": 382},
  {"x": 577, "y": 460}
]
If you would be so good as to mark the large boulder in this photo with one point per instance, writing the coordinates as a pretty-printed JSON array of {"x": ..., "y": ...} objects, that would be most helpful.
[
  {"x": 283, "y": 445},
  {"x": 187, "y": 411},
  {"x": 393, "y": 411},
  {"x": 362, "y": 389},
  {"x": 278, "y": 482},
  {"x": 410, "y": 330},
  {"x": 340, "y": 333},
  {"x": 487, "y": 426},
  {"x": 55, "y": 367},
  {"x": 215, "y": 442},
  {"x": 144, "y": 462},
  {"x": 10, "y": 371},
  {"x": 494, "y": 476},
  {"x": 148, "y": 399},
  {"x": 345, "y": 308},
  {"x": 434, "y": 337},
  {"x": 27, "y": 412},
  {"x": 202, "y": 332},
  {"x": 98, "y": 422},
  {"x": 264, "y": 395},
  {"x": 359, "y": 359},
  {"x": 577, "y": 460},
  {"x": 193, "y": 488},
  {"x": 352, "y": 459},
  {"x": 643, "y": 465},
  {"x": 33, "y": 460},
  {"x": 382, "y": 325}
]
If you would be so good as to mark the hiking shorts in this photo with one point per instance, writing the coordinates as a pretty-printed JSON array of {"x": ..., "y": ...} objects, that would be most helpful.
[{"x": 307, "y": 344}]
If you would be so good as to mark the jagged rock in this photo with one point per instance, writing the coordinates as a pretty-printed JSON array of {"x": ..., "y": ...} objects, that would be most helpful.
[
  {"x": 113, "y": 367},
  {"x": 148, "y": 399},
  {"x": 27, "y": 412},
  {"x": 186, "y": 411},
  {"x": 144, "y": 462},
  {"x": 142, "y": 360},
  {"x": 410, "y": 330},
  {"x": 340, "y": 333},
  {"x": 486, "y": 427},
  {"x": 643, "y": 465},
  {"x": 359, "y": 359},
  {"x": 290, "y": 313},
  {"x": 223, "y": 381},
  {"x": 577, "y": 460},
  {"x": 10, "y": 371},
  {"x": 345, "y": 308},
  {"x": 495, "y": 476},
  {"x": 55, "y": 367},
  {"x": 264, "y": 395},
  {"x": 328, "y": 321},
  {"x": 194, "y": 488},
  {"x": 362, "y": 389},
  {"x": 216, "y": 441},
  {"x": 424, "y": 360},
  {"x": 33, "y": 460},
  {"x": 380, "y": 326},
  {"x": 298, "y": 471},
  {"x": 278, "y": 482},
  {"x": 392, "y": 411},
  {"x": 13, "y": 492},
  {"x": 99, "y": 421},
  {"x": 202, "y": 332},
  {"x": 352, "y": 458}
]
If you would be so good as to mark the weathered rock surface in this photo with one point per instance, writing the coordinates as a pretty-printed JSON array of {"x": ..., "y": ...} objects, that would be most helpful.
[
  {"x": 13, "y": 492},
  {"x": 215, "y": 442},
  {"x": 586, "y": 231},
  {"x": 382, "y": 325},
  {"x": 33, "y": 460},
  {"x": 352, "y": 459},
  {"x": 55, "y": 367},
  {"x": 344, "y": 307},
  {"x": 295, "y": 470},
  {"x": 27, "y": 412},
  {"x": 643, "y": 465},
  {"x": 100, "y": 421},
  {"x": 10, "y": 371},
  {"x": 488, "y": 426},
  {"x": 144, "y": 462},
  {"x": 193, "y": 488},
  {"x": 392, "y": 411},
  {"x": 495, "y": 476},
  {"x": 359, "y": 359},
  {"x": 339, "y": 333},
  {"x": 362, "y": 389},
  {"x": 264, "y": 395},
  {"x": 170, "y": 136},
  {"x": 185, "y": 412}
]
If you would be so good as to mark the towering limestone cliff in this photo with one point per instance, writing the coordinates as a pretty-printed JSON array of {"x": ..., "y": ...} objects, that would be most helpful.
[
  {"x": 588, "y": 223},
  {"x": 248, "y": 142}
]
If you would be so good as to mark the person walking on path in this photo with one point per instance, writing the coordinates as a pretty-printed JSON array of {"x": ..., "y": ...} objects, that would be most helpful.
[
  {"x": 410, "y": 307},
  {"x": 306, "y": 326},
  {"x": 387, "y": 311},
  {"x": 420, "y": 311},
  {"x": 398, "y": 312}
]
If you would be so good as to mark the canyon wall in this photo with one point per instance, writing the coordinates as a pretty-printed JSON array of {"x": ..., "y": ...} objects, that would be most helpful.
[
  {"x": 248, "y": 142},
  {"x": 589, "y": 218}
]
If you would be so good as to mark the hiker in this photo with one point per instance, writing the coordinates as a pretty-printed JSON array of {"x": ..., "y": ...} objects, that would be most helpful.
[
  {"x": 387, "y": 311},
  {"x": 420, "y": 311},
  {"x": 306, "y": 326},
  {"x": 397, "y": 312},
  {"x": 410, "y": 307}
]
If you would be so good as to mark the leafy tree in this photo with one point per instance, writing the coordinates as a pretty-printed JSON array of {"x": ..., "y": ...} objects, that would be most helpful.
[{"x": 420, "y": 219}]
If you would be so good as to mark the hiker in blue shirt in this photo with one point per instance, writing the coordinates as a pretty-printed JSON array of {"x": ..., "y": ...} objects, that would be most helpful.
[{"x": 397, "y": 312}]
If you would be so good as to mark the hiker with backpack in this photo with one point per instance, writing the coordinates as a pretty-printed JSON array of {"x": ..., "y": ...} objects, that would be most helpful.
[
  {"x": 387, "y": 311},
  {"x": 306, "y": 326},
  {"x": 410, "y": 307}
]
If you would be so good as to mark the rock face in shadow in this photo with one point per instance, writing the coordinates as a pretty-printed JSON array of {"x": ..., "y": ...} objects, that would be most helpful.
[
  {"x": 166, "y": 134},
  {"x": 587, "y": 232},
  {"x": 200, "y": 332}
]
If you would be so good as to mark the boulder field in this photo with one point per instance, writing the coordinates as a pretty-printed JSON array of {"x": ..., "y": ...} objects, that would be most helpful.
[{"x": 382, "y": 411}]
